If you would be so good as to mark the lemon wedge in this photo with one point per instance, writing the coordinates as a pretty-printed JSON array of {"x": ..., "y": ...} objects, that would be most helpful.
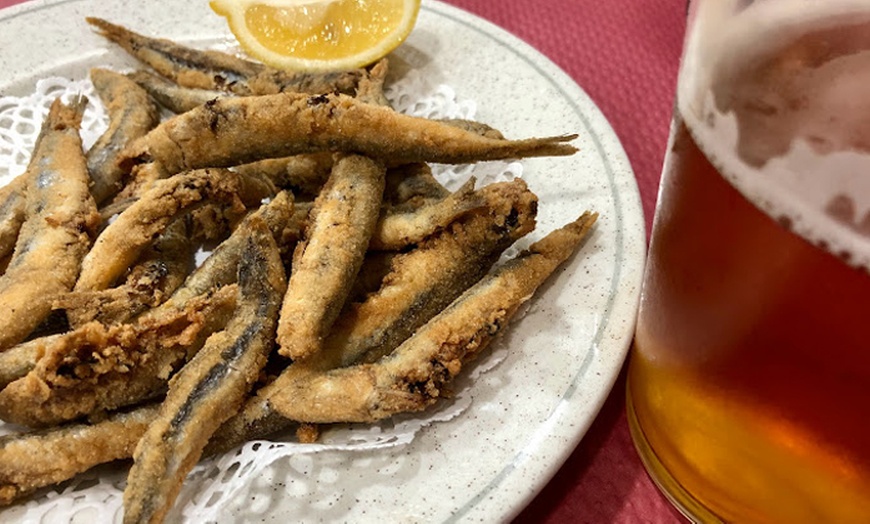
[{"x": 318, "y": 35}]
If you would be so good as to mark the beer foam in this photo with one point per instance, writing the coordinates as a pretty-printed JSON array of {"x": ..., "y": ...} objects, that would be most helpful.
[{"x": 776, "y": 96}]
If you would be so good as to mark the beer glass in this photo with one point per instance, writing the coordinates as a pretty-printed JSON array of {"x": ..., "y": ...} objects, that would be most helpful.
[{"x": 749, "y": 380}]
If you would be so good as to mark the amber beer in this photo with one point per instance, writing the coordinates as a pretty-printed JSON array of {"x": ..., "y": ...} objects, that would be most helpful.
[{"x": 749, "y": 380}]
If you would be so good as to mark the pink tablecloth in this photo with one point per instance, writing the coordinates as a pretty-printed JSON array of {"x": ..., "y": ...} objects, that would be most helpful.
[{"x": 624, "y": 53}]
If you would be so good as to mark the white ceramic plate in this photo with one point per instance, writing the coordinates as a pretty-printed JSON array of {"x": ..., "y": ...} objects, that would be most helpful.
[{"x": 563, "y": 354}]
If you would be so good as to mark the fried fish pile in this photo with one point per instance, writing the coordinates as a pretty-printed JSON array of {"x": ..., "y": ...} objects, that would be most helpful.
[{"x": 345, "y": 283}]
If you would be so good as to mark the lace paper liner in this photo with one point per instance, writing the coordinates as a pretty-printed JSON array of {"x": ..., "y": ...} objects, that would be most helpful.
[{"x": 312, "y": 482}]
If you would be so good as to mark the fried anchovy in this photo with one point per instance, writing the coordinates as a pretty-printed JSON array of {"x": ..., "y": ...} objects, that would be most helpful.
[
  {"x": 132, "y": 113},
  {"x": 121, "y": 243},
  {"x": 160, "y": 270},
  {"x": 415, "y": 375},
  {"x": 172, "y": 96},
  {"x": 211, "y": 387},
  {"x": 100, "y": 368},
  {"x": 13, "y": 211},
  {"x": 327, "y": 260},
  {"x": 198, "y": 307},
  {"x": 303, "y": 174},
  {"x": 232, "y": 131},
  {"x": 221, "y": 267},
  {"x": 34, "y": 460},
  {"x": 401, "y": 226},
  {"x": 220, "y": 71},
  {"x": 56, "y": 234},
  {"x": 451, "y": 261},
  {"x": 179, "y": 99}
]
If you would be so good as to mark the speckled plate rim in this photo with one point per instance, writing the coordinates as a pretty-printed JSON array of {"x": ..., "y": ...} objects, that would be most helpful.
[{"x": 520, "y": 479}]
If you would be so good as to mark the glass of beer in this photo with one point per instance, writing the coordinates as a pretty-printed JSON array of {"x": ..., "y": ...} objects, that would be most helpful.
[{"x": 749, "y": 379}]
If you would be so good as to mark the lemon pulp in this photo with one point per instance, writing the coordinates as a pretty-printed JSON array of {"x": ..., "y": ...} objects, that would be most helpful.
[{"x": 319, "y": 34}]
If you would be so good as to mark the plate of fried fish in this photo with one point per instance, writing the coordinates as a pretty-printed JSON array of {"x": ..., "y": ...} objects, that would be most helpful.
[{"x": 239, "y": 294}]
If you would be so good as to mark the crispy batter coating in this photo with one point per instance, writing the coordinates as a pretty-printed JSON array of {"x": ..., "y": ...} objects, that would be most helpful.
[
  {"x": 170, "y": 95},
  {"x": 220, "y": 71},
  {"x": 132, "y": 113},
  {"x": 303, "y": 174},
  {"x": 121, "y": 243},
  {"x": 327, "y": 261},
  {"x": 18, "y": 360},
  {"x": 99, "y": 368},
  {"x": 13, "y": 211},
  {"x": 420, "y": 283},
  {"x": 54, "y": 238},
  {"x": 232, "y": 131},
  {"x": 403, "y": 225},
  {"x": 160, "y": 270},
  {"x": 34, "y": 460},
  {"x": 210, "y": 387},
  {"x": 221, "y": 267},
  {"x": 414, "y": 376}
]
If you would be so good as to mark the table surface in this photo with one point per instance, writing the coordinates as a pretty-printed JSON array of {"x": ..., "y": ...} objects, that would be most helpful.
[{"x": 624, "y": 54}]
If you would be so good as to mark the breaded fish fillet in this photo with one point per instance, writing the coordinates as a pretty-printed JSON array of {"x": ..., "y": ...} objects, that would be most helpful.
[{"x": 35, "y": 460}]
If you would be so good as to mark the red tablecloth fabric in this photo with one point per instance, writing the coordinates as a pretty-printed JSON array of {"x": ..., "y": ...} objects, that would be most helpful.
[{"x": 625, "y": 54}]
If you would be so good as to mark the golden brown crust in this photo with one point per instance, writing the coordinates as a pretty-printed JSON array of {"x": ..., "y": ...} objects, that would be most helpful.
[
  {"x": 160, "y": 270},
  {"x": 210, "y": 387},
  {"x": 220, "y": 71},
  {"x": 401, "y": 226},
  {"x": 34, "y": 460},
  {"x": 121, "y": 243},
  {"x": 303, "y": 174},
  {"x": 98, "y": 368},
  {"x": 233, "y": 131},
  {"x": 132, "y": 113},
  {"x": 415, "y": 375},
  {"x": 327, "y": 261},
  {"x": 53, "y": 240}
]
